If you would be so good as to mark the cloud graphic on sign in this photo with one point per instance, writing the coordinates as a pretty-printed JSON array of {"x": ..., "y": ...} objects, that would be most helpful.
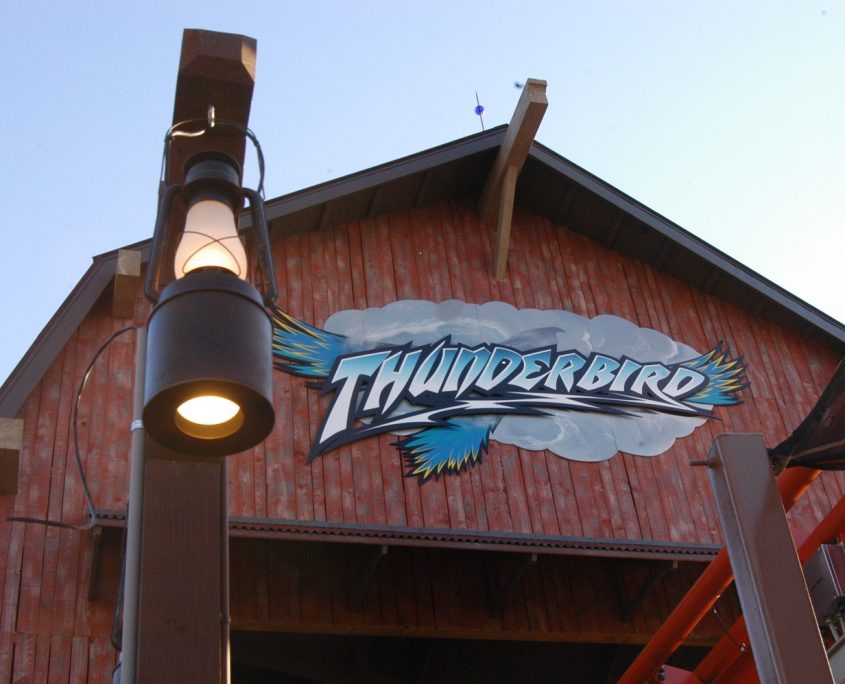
[{"x": 578, "y": 435}]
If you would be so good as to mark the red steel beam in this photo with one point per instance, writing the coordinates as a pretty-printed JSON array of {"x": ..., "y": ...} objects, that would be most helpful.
[{"x": 703, "y": 594}]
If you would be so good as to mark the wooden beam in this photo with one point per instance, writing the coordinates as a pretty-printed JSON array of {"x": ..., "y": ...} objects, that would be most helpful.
[
  {"x": 11, "y": 442},
  {"x": 127, "y": 279},
  {"x": 182, "y": 619},
  {"x": 503, "y": 228},
  {"x": 214, "y": 69},
  {"x": 514, "y": 148}
]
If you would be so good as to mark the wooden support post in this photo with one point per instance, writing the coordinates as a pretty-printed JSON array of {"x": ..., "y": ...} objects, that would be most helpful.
[
  {"x": 785, "y": 640},
  {"x": 127, "y": 279},
  {"x": 183, "y": 614},
  {"x": 503, "y": 229},
  {"x": 11, "y": 441},
  {"x": 496, "y": 203}
]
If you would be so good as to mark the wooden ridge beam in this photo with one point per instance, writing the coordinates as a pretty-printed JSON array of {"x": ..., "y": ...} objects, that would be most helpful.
[
  {"x": 514, "y": 148},
  {"x": 496, "y": 203}
]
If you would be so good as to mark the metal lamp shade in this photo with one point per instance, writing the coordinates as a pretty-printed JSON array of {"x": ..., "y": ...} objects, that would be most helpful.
[{"x": 209, "y": 335}]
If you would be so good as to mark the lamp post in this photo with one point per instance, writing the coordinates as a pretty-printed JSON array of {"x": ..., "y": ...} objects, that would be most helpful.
[{"x": 207, "y": 373}]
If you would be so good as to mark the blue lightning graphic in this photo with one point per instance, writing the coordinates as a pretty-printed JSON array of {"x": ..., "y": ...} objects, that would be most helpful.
[
  {"x": 726, "y": 377},
  {"x": 301, "y": 349},
  {"x": 447, "y": 448}
]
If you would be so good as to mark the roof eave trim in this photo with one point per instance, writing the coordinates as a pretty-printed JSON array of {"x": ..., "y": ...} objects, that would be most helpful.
[
  {"x": 382, "y": 174},
  {"x": 688, "y": 241},
  {"x": 53, "y": 337}
]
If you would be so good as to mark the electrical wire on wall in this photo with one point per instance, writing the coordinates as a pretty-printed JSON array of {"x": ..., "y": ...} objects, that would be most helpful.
[{"x": 89, "y": 500}]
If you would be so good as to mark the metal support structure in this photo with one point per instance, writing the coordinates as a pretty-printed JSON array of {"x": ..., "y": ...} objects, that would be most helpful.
[
  {"x": 704, "y": 593},
  {"x": 719, "y": 660},
  {"x": 785, "y": 640}
]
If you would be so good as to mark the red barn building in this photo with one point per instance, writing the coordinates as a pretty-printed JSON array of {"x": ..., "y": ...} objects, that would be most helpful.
[{"x": 544, "y": 535}]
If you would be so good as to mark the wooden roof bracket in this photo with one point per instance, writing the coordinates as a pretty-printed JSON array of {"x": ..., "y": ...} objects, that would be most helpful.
[
  {"x": 127, "y": 280},
  {"x": 628, "y": 607},
  {"x": 11, "y": 443},
  {"x": 499, "y": 597},
  {"x": 367, "y": 576},
  {"x": 496, "y": 203}
]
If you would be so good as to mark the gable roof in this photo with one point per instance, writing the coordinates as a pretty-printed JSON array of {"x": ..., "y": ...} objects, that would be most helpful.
[{"x": 549, "y": 185}]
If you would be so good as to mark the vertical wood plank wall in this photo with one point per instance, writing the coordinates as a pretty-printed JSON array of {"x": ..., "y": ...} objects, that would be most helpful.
[
  {"x": 50, "y": 631},
  {"x": 442, "y": 252}
]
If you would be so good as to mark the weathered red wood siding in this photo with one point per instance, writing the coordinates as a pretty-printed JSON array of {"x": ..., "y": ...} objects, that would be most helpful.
[
  {"x": 51, "y": 631},
  {"x": 442, "y": 252}
]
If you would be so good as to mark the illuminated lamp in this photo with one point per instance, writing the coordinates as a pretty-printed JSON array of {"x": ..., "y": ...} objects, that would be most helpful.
[{"x": 208, "y": 378}]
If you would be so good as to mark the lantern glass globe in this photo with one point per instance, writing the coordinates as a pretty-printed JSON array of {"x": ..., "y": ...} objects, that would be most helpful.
[{"x": 210, "y": 240}]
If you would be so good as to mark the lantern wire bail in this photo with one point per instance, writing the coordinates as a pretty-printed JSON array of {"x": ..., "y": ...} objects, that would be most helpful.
[{"x": 194, "y": 128}]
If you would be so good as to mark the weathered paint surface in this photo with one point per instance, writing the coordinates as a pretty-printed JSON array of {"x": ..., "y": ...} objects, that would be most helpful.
[
  {"x": 440, "y": 253},
  {"x": 51, "y": 631}
]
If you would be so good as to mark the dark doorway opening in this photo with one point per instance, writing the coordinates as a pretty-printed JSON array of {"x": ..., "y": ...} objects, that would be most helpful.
[{"x": 285, "y": 658}]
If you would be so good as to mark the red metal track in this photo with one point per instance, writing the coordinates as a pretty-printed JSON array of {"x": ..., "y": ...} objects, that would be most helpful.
[{"x": 703, "y": 594}]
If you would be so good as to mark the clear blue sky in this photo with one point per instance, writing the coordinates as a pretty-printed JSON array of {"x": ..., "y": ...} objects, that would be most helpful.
[{"x": 726, "y": 117}]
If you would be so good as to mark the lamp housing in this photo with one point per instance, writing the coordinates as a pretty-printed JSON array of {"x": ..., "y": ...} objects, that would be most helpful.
[{"x": 209, "y": 342}]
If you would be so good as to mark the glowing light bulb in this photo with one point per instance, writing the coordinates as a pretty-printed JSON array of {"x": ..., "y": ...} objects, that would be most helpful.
[
  {"x": 210, "y": 240},
  {"x": 209, "y": 417},
  {"x": 208, "y": 410}
]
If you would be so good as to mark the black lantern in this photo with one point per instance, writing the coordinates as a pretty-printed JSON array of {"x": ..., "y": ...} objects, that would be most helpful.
[{"x": 208, "y": 380}]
